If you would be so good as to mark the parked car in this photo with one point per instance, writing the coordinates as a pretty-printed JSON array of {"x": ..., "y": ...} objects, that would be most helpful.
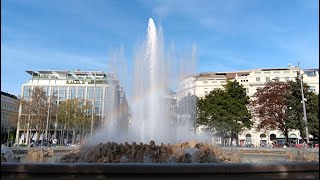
[
  {"x": 314, "y": 144},
  {"x": 280, "y": 146}
]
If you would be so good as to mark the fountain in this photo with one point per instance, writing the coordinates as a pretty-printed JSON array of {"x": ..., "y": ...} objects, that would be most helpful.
[
  {"x": 154, "y": 70},
  {"x": 151, "y": 118}
]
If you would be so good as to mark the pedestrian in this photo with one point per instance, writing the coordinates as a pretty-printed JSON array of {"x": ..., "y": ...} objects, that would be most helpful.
[
  {"x": 54, "y": 142},
  {"x": 65, "y": 143}
]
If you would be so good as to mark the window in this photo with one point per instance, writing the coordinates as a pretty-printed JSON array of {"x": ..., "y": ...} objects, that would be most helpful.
[
  {"x": 205, "y": 81},
  {"x": 206, "y": 91},
  {"x": 62, "y": 93},
  {"x": 99, "y": 91},
  {"x": 46, "y": 89},
  {"x": 257, "y": 79},
  {"x": 26, "y": 92},
  {"x": 90, "y": 93},
  {"x": 223, "y": 81},
  {"x": 267, "y": 79},
  {"x": 310, "y": 73},
  {"x": 98, "y": 107},
  {"x": 286, "y": 78},
  {"x": 72, "y": 92},
  {"x": 214, "y": 81},
  {"x": 55, "y": 91},
  {"x": 81, "y": 91},
  {"x": 312, "y": 89},
  {"x": 276, "y": 78}
]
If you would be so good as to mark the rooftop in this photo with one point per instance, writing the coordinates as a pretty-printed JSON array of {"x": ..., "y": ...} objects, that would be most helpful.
[
  {"x": 8, "y": 95},
  {"x": 58, "y": 72}
]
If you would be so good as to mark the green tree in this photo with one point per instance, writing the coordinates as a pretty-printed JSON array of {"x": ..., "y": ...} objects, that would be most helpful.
[
  {"x": 313, "y": 115},
  {"x": 295, "y": 109},
  {"x": 224, "y": 112},
  {"x": 238, "y": 93}
]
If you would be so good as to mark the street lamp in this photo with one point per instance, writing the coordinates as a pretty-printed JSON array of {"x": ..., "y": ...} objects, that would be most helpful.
[
  {"x": 300, "y": 76},
  {"x": 93, "y": 104}
]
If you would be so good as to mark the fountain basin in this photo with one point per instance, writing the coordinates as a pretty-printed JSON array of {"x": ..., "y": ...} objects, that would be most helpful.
[{"x": 285, "y": 170}]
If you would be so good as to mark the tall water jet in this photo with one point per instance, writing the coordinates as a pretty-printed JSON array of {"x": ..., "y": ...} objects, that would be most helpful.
[
  {"x": 151, "y": 108},
  {"x": 149, "y": 111}
]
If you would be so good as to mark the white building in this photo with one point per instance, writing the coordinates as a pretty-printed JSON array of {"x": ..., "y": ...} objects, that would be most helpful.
[
  {"x": 202, "y": 83},
  {"x": 97, "y": 87},
  {"x": 9, "y": 114}
]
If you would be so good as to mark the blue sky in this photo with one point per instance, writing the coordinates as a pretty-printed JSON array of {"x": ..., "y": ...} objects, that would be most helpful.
[{"x": 229, "y": 34}]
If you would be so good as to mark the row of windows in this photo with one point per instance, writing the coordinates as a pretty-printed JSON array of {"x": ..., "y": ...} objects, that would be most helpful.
[
  {"x": 276, "y": 72},
  {"x": 205, "y": 81},
  {"x": 8, "y": 99},
  {"x": 9, "y": 107},
  {"x": 71, "y": 92},
  {"x": 258, "y": 79},
  {"x": 311, "y": 73},
  {"x": 5, "y": 116},
  {"x": 206, "y": 91}
]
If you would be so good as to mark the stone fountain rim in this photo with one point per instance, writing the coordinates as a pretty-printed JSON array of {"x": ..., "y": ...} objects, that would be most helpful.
[{"x": 158, "y": 168}]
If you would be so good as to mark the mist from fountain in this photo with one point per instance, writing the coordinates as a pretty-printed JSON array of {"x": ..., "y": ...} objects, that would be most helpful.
[{"x": 151, "y": 112}]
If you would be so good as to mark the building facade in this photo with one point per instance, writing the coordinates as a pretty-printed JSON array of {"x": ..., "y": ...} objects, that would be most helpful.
[
  {"x": 102, "y": 90},
  {"x": 9, "y": 114},
  {"x": 202, "y": 83}
]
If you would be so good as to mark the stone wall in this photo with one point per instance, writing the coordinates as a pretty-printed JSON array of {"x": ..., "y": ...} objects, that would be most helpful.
[
  {"x": 37, "y": 155},
  {"x": 187, "y": 152}
]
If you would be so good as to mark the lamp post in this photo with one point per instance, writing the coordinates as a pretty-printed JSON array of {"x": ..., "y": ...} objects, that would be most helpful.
[
  {"x": 93, "y": 104},
  {"x": 304, "y": 106}
]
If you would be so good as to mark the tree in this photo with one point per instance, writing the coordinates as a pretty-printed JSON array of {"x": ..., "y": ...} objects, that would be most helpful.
[
  {"x": 295, "y": 109},
  {"x": 187, "y": 106},
  {"x": 9, "y": 124},
  {"x": 313, "y": 115},
  {"x": 224, "y": 112},
  {"x": 74, "y": 115},
  {"x": 238, "y": 93},
  {"x": 85, "y": 123},
  {"x": 269, "y": 105},
  {"x": 37, "y": 107}
]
